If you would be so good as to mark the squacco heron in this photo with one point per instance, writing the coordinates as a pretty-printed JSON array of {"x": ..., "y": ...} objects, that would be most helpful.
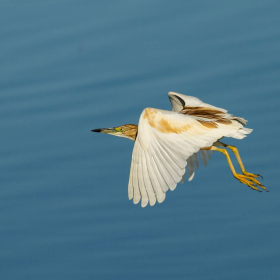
[{"x": 166, "y": 142}]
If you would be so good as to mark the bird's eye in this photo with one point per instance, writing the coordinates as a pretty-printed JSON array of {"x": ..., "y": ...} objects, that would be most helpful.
[{"x": 119, "y": 129}]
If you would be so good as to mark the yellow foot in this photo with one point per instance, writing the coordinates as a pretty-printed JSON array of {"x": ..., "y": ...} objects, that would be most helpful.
[
  {"x": 252, "y": 175},
  {"x": 249, "y": 181}
]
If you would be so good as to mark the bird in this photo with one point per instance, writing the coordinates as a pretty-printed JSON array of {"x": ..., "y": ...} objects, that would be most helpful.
[{"x": 166, "y": 142}]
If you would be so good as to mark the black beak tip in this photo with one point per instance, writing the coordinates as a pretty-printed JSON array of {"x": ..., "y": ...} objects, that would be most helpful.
[{"x": 96, "y": 130}]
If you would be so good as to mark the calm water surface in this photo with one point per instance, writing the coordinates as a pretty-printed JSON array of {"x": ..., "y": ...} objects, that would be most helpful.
[{"x": 70, "y": 66}]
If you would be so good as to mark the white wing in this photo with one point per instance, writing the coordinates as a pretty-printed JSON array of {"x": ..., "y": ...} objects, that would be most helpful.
[
  {"x": 164, "y": 143},
  {"x": 178, "y": 102}
]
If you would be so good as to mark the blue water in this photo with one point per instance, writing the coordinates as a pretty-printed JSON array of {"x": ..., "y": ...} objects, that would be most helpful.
[{"x": 70, "y": 66}]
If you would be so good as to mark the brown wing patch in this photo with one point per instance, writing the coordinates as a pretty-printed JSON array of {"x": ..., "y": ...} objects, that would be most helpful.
[
  {"x": 149, "y": 113},
  {"x": 211, "y": 116},
  {"x": 163, "y": 125},
  {"x": 224, "y": 121},
  {"x": 208, "y": 124}
]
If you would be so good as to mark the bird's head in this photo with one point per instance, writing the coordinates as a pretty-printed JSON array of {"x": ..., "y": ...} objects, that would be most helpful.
[{"x": 127, "y": 130}]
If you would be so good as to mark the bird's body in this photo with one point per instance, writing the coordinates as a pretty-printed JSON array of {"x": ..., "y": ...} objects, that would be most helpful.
[{"x": 167, "y": 141}]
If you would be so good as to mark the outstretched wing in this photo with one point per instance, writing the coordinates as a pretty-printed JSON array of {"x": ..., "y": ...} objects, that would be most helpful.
[
  {"x": 164, "y": 142},
  {"x": 179, "y": 101}
]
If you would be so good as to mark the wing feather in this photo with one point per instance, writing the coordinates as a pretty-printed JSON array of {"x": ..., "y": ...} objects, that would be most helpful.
[
  {"x": 147, "y": 180},
  {"x": 179, "y": 161},
  {"x": 165, "y": 175},
  {"x": 190, "y": 168},
  {"x": 159, "y": 173},
  {"x": 143, "y": 184},
  {"x": 184, "y": 177},
  {"x": 130, "y": 184},
  {"x": 136, "y": 191},
  {"x": 160, "y": 194},
  {"x": 204, "y": 156},
  {"x": 165, "y": 167},
  {"x": 171, "y": 166},
  {"x": 196, "y": 161}
]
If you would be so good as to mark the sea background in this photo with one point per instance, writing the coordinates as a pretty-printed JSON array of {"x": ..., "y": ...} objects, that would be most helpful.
[{"x": 71, "y": 66}]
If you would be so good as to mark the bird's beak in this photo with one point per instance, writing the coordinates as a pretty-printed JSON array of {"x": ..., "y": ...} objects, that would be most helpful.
[{"x": 105, "y": 130}]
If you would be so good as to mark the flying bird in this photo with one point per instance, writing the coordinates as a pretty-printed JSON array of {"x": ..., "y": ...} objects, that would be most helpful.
[{"x": 166, "y": 142}]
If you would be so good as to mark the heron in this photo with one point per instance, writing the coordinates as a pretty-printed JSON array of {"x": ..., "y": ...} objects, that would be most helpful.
[{"x": 166, "y": 142}]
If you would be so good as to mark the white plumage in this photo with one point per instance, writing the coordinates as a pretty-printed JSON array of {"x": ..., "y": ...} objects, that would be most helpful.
[{"x": 167, "y": 141}]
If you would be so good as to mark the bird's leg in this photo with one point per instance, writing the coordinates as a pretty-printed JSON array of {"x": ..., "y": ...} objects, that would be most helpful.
[
  {"x": 236, "y": 152},
  {"x": 248, "y": 181}
]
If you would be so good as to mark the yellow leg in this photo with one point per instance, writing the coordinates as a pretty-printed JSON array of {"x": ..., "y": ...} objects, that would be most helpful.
[
  {"x": 236, "y": 152},
  {"x": 247, "y": 174},
  {"x": 247, "y": 180}
]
